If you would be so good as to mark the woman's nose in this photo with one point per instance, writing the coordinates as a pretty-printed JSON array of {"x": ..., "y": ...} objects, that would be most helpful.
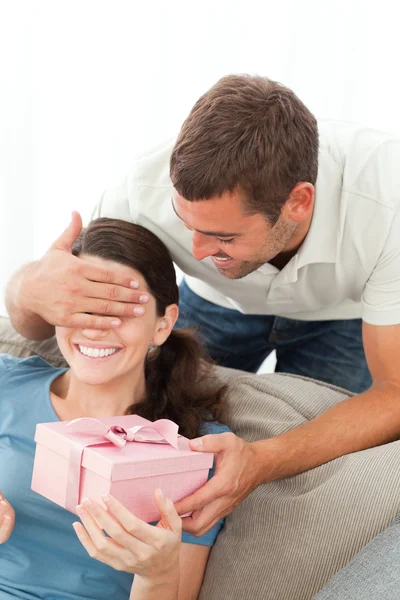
[{"x": 95, "y": 334}]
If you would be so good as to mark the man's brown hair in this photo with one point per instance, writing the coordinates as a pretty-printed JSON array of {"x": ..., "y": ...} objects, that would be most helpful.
[{"x": 247, "y": 133}]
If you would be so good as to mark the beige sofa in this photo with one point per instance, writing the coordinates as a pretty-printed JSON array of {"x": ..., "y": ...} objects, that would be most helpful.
[{"x": 288, "y": 537}]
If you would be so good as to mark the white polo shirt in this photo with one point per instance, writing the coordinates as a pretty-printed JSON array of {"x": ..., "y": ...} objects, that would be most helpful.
[{"x": 347, "y": 267}]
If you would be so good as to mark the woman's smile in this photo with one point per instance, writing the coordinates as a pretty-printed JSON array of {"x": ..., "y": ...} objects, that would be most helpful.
[{"x": 97, "y": 352}]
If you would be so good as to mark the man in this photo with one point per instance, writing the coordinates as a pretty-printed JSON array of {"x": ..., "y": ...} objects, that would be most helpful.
[{"x": 273, "y": 256}]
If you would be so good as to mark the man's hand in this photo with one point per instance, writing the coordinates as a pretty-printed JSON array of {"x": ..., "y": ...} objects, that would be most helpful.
[
  {"x": 356, "y": 423},
  {"x": 7, "y": 519},
  {"x": 68, "y": 291},
  {"x": 237, "y": 473}
]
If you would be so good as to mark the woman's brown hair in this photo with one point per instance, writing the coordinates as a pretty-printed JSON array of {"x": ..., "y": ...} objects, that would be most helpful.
[{"x": 174, "y": 371}]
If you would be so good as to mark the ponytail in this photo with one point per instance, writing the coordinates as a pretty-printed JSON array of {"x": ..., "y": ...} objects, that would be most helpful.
[{"x": 174, "y": 385}]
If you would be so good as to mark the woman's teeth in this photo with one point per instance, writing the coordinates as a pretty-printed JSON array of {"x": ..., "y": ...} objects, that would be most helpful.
[{"x": 97, "y": 352}]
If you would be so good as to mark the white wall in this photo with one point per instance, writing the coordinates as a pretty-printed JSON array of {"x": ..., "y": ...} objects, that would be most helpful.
[{"x": 87, "y": 83}]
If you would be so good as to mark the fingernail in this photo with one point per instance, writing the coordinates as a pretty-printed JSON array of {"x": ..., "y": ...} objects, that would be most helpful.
[
  {"x": 138, "y": 310},
  {"x": 134, "y": 284},
  {"x": 106, "y": 498},
  {"x": 197, "y": 443},
  {"x": 115, "y": 323},
  {"x": 160, "y": 494},
  {"x": 144, "y": 298},
  {"x": 80, "y": 510}
]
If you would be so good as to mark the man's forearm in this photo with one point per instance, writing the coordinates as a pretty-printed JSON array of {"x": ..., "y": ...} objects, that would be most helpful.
[
  {"x": 27, "y": 323},
  {"x": 363, "y": 421}
]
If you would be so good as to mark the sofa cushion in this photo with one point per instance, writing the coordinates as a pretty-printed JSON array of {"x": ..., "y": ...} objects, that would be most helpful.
[{"x": 288, "y": 537}]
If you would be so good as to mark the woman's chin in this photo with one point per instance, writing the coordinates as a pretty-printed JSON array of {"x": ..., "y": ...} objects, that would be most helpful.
[
  {"x": 93, "y": 374},
  {"x": 94, "y": 371}
]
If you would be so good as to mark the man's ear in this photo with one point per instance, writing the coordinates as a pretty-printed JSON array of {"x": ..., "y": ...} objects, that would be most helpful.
[
  {"x": 165, "y": 324},
  {"x": 300, "y": 202}
]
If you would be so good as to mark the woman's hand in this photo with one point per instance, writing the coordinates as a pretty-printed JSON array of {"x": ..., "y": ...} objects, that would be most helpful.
[
  {"x": 7, "y": 519},
  {"x": 133, "y": 546}
]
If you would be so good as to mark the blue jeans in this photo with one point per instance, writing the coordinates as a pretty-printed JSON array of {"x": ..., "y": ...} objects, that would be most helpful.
[{"x": 330, "y": 351}]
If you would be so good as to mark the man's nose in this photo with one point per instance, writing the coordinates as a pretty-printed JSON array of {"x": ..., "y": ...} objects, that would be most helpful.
[{"x": 203, "y": 246}]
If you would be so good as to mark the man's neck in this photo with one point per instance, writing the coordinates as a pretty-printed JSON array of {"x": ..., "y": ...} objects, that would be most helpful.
[{"x": 281, "y": 260}]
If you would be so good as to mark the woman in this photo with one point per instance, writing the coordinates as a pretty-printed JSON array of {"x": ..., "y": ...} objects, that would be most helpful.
[{"x": 141, "y": 367}]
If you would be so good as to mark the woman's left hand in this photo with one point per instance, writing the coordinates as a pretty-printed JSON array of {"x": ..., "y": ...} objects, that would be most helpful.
[{"x": 133, "y": 546}]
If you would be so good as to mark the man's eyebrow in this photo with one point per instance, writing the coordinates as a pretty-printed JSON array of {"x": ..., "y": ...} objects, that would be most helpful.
[{"x": 210, "y": 233}]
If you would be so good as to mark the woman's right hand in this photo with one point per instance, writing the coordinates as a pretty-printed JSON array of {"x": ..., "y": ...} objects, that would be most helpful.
[
  {"x": 121, "y": 540},
  {"x": 7, "y": 519}
]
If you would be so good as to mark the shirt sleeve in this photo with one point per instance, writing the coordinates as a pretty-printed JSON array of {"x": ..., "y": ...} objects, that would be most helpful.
[
  {"x": 3, "y": 368},
  {"x": 7, "y": 362},
  {"x": 381, "y": 298},
  {"x": 208, "y": 539}
]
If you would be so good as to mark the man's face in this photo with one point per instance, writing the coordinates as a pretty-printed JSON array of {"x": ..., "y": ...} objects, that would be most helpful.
[{"x": 238, "y": 244}]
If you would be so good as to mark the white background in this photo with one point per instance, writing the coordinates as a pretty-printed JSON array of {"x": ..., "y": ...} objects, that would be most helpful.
[{"x": 85, "y": 84}]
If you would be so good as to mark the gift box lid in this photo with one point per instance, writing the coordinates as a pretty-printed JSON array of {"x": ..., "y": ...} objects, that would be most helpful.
[{"x": 134, "y": 460}]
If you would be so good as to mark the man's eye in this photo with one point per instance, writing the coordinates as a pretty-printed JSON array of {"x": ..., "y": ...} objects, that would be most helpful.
[{"x": 225, "y": 241}]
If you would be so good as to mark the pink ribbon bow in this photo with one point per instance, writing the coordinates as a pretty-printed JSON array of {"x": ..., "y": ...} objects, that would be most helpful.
[{"x": 162, "y": 431}]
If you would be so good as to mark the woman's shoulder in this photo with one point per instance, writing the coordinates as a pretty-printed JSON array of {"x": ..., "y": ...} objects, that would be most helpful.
[
  {"x": 213, "y": 427},
  {"x": 10, "y": 365}
]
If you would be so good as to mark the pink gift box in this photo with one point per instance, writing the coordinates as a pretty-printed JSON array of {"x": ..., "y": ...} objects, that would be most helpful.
[{"x": 87, "y": 458}]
